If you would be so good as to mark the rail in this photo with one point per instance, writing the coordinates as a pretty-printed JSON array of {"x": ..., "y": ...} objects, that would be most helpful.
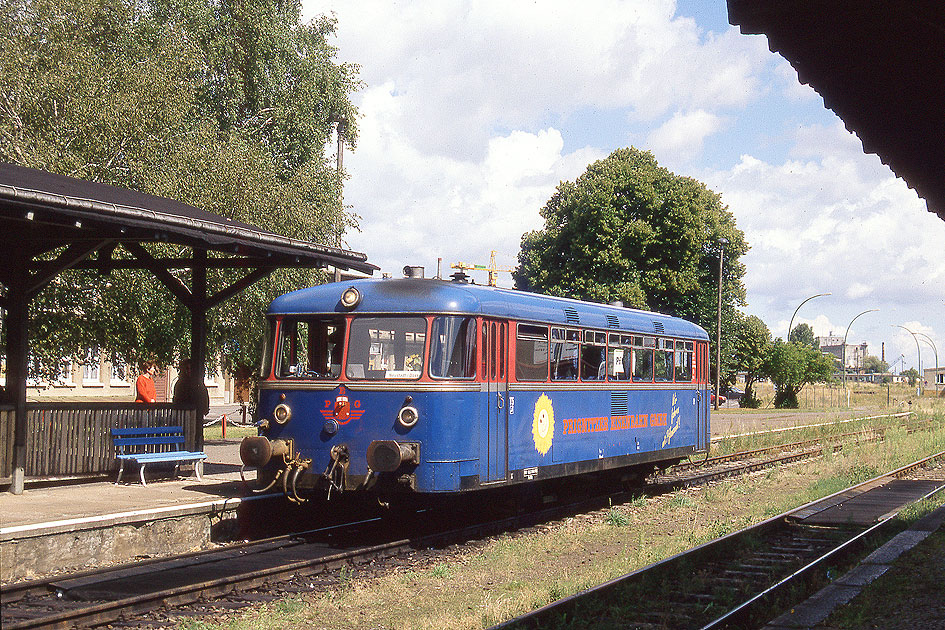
[{"x": 729, "y": 573}]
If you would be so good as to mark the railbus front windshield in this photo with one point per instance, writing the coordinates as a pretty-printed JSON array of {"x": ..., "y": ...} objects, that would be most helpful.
[
  {"x": 310, "y": 347},
  {"x": 382, "y": 348}
]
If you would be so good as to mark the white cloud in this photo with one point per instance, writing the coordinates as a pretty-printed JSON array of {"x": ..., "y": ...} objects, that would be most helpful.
[
  {"x": 473, "y": 113},
  {"x": 416, "y": 207},
  {"x": 834, "y": 219},
  {"x": 467, "y": 70},
  {"x": 681, "y": 137}
]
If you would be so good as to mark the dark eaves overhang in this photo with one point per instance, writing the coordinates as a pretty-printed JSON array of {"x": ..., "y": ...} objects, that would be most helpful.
[
  {"x": 61, "y": 210},
  {"x": 878, "y": 64}
]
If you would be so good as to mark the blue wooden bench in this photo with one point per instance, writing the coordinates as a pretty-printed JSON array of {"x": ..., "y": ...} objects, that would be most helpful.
[{"x": 142, "y": 446}]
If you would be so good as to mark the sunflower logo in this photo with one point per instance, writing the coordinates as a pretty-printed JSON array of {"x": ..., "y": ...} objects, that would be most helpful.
[{"x": 543, "y": 427}]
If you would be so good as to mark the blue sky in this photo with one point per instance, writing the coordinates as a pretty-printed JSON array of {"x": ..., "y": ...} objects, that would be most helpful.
[{"x": 474, "y": 111}]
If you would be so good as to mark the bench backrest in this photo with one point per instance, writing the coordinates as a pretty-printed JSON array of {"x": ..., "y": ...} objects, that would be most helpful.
[{"x": 147, "y": 436}]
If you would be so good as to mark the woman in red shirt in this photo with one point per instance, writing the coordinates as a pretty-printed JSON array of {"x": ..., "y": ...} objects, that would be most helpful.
[{"x": 145, "y": 383}]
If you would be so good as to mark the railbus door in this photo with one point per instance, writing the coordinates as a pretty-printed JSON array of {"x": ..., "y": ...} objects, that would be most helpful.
[
  {"x": 702, "y": 396},
  {"x": 495, "y": 382}
]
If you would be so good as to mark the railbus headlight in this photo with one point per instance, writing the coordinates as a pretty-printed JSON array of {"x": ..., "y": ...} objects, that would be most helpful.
[
  {"x": 408, "y": 416},
  {"x": 350, "y": 298},
  {"x": 282, "y": 413}
]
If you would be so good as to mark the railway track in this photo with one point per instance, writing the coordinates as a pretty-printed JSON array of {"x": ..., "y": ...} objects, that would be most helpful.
[
  {"x": 106, "y": 595},
  {"x": 740, "y": 580}
]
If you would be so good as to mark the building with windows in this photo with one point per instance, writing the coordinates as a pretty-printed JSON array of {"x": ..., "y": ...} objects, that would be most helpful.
[
  {"x": 99, "y": 380},
  {"x": 855, "y": 353},
  {"x": 935, "y": 377}
]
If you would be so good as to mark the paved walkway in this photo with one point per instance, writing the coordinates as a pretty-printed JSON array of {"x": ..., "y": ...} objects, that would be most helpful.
[{"x": 84, "y": 501}]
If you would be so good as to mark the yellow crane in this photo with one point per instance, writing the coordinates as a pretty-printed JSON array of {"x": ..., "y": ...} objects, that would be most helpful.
[{"x": 491, "y": 268}]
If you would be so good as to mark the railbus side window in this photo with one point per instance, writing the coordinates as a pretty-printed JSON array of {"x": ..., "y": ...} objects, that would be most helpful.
[
  {"x": 383, "y": 348},
  {"x": 642, "y": 359},
  {"x": 594, "y": 356},
  {"x": 664, "y": 360},
  {"x": 565, "y": 351},
  {"x": 310, "y": 347},
  {"x": 619, "y": 358},
  {"x": 265, "y": 368},
  {"x": 531, "y": 353},
  {"x": 453, "y": 347},
  {"x": 502, "y": 331},
  {"x": 683, "y": 361}
]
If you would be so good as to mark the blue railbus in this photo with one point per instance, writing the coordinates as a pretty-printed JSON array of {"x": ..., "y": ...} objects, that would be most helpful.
[{"x": 431, "y": 386}]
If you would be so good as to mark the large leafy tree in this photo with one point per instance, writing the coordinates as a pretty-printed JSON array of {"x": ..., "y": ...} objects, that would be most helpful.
[
  {"x": 875, "y": 365},
  {"x": 224, "y": 105},
  {"x": 750, "y": 344},
  {"x": 804, "y": 335},
  {"x": 912, "y": 375},
  {"x": 791, "y": 366},
  {"x": 630, "y": 230}
]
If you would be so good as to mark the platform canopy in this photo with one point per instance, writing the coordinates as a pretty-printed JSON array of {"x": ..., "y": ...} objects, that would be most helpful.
[
  {"x": 878, "y": 64},
  {"x": 43, "y": 211},
  {"x": 85, "y": 222}
]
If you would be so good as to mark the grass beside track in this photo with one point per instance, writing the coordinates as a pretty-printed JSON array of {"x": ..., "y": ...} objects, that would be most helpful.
[{"x": 509, "y": 575}]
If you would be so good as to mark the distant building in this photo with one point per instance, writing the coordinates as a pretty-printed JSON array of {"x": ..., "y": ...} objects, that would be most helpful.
[
  {"x": 855, "y": 354},
  {"x": 935, "y": 376},
  {"x": 99, "y": 380}
]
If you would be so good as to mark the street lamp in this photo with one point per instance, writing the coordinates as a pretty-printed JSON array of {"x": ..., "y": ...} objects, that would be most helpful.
[
  {"x": 918, "y": 352},
  {"x": 718, "y": 331},
  {"x": 935, "y": 350},
  {"x": 791, "y": 324},
  {"x": 843, "y": 351}
]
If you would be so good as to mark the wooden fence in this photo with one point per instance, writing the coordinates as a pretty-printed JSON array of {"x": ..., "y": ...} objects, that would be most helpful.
[
  {"x": 6, "y": 443},
  {"x": 74, "y": 439}
]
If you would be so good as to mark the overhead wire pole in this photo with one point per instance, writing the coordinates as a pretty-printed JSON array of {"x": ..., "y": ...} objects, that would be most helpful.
[
  {"x": 791, "y": 324},
  {"x": 935, "y": 350},
  {"x": 341, "y": 128},
  {"x": 843, "y": 350},
  {"x": 718, "y": 330},
  {"x": 919, "y": 353}
]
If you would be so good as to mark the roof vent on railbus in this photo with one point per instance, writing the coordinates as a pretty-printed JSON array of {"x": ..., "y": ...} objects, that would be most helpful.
[{"x": 413, "y": 271}]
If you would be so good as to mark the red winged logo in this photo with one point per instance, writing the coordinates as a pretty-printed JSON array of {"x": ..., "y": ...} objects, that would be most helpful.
[{"x": 343, "y": 410}]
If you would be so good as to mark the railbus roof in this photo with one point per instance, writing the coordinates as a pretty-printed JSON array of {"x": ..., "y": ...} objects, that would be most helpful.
[{"x": 411, "y": 295}]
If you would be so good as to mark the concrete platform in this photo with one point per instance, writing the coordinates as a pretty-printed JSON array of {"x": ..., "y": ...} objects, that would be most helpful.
[
  {"x": 61, "y": 528},
  {"x": 811, "y": 614}
]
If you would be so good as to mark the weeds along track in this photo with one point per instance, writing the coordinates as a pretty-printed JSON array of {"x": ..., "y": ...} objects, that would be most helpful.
[
  {"x": 699, "y": 471},
  {"x": 239, "y": 575},
  {"x": 743, "y": 579}
]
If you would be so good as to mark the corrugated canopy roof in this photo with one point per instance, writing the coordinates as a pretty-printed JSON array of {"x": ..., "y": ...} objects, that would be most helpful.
[{"x": 879, "y": 64}]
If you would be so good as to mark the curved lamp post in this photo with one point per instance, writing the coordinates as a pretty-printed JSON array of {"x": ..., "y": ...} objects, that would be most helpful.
[
  {"x": 935, "y": 350},
  {"x": 919, "y": 352},
  {"x": 718, "y": 331},
  {"x": 843, "y": 351},
  {"x": 791, "y": 324}
]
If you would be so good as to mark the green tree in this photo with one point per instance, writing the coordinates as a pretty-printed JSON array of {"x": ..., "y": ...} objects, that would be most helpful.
[
  {"x": 911, "y": 374},
  {"x": 226, "y": 106},
  {"x": 751, "y": 342},
  {"x": 804, "y": 335},
  {"x": 790, "y": 366},
  {"x": 630, "y": 230},
  {"x": 875, "y": 365}
]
